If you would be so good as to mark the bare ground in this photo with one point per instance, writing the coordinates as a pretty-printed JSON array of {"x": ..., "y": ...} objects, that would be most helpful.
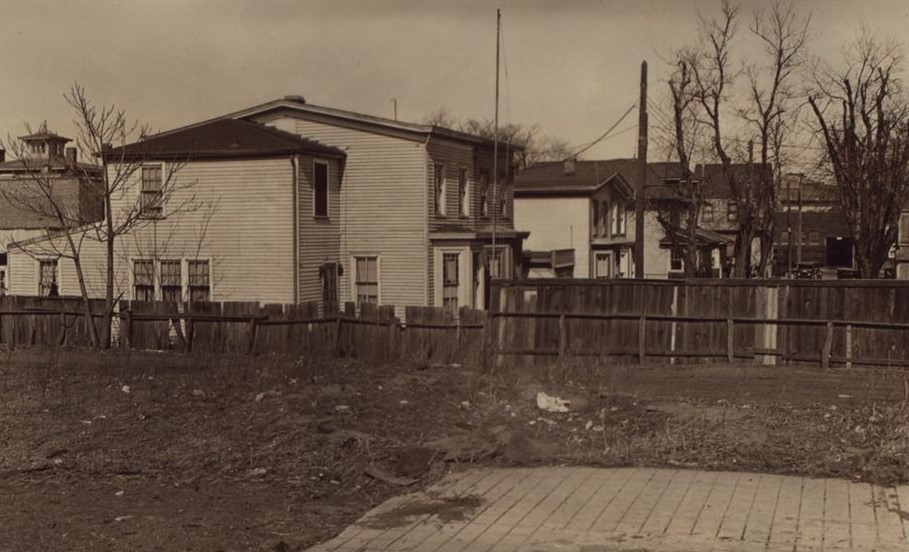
[{"x": 147, "y": 451}]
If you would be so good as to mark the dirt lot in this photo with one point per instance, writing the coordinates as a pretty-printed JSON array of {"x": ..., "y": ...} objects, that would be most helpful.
[{"x": 120, "y": 451}]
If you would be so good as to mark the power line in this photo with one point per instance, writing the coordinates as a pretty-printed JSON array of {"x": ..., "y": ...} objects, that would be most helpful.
[{"x": 602, "y": 136}]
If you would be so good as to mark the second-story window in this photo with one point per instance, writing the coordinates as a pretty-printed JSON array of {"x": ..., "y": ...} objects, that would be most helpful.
[
  {"x": 320, "y": 189},
  {"x": 604, "y": 218},
  {"x": 503, "y": 200},
  {"x": 732, "y": 211},
  {"x": 151, "y": 198},
  {"x": 619, "y": 219},
  {"x": 707, "y": 213},
  {"x": 438, "y": 184},
  {"x": 484, "y": 193},
  {"x": 463, "y": 194}
]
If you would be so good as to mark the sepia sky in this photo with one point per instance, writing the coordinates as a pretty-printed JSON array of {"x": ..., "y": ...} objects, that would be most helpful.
[{"x": 571, "y": 67}]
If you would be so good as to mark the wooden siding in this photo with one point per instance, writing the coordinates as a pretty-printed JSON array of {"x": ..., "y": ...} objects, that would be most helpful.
[
  {"x": 380, "y": 214},
  {"x": 248, "y": 239},
  {"x": 557, "y": 223},
  {"x": 320, "y": 238}
]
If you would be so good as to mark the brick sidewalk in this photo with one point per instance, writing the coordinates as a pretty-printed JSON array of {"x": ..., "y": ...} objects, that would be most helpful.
[{"x": 634, "y": 509}]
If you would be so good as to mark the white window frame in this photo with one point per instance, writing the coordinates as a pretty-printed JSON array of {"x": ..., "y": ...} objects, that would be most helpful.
[
  {"x": 327, "y": 166},
  {"x": 707, "y": 213},
  {"x": 610, "y": 264},
  {"x": 157, "y": 288},
  {"x": 439, "y": 191},
  {"x": 57, "y": 274},
  {"x": 483, "y": 191},
  {"x": 675, "y": 254},
  {"x": 142, "y": 213},
  {"x": 211, "y": 277},
  {"x": 353, "y": 275},
  {"x": 463, "y": 192},
  {"x": 458, "y": 282},
  {"x": 132, "y": 277}
]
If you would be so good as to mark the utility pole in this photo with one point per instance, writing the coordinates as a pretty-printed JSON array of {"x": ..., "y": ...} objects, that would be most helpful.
[{"x": 642, "y": 178}]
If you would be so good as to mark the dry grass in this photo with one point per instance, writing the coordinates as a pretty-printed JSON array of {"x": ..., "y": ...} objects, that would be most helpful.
[{"x": 233, "y": 452}]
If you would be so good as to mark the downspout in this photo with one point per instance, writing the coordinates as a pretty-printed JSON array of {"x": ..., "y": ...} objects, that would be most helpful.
[
  {"x": 295, "y": 193},
  {"x": 427, "y": 250}
]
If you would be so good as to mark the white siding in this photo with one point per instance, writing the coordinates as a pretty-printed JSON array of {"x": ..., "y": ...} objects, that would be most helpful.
[
  {"x": 380, "y": 214},
  {"x": 248, "y": 206},
  {"x": 557, "y": 223},
  {"x": 319, "y": 237}
]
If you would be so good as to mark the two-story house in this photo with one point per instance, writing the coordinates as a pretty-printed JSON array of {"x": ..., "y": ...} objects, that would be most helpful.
[
  {"x": 415, "y": 214},
  {"x": 425, "y": 219},
  {"x": 45, "y": 189},
  {"x": 588, "y": 207},
  {"x": 226, "y": 210}
]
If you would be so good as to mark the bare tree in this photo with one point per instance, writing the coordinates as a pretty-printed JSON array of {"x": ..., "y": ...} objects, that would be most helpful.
[
  {"x": 528, "y": 145},
  {"x": 862, "y": 115},
  {"x": 40, "y": 194},
  {"x": 685, "y": 133},
  {"x": 125, "y": 208},
  {"x": 783, "y": 35}
]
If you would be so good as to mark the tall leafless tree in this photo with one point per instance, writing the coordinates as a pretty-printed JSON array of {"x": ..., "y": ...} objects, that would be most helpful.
[
  {"x": 862, "y": 115},
  {"x": 771, "y": 107}
]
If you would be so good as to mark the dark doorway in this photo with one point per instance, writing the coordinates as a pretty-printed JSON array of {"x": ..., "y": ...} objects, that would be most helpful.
[
  {"x": 839, "y": 251},
  {"x": 329, "y": 273}
]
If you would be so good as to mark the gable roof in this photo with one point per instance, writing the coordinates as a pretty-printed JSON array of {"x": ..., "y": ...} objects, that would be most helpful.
[
  {"x": 551, "y": 177},
  {"x": 222, "y": 138}
]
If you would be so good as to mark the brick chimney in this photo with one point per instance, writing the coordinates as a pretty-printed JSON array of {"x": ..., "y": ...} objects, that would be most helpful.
[
  {"x": 72, "y": 154},
  {"x": 568, "y": 166}
]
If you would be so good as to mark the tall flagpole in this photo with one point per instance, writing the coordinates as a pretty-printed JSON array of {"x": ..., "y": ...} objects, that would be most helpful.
[{"x": 495, "y": 152}]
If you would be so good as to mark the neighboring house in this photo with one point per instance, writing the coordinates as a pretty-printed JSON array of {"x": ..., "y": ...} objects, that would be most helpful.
[
  {"x": 810, "y": 227},
  {"x": 45, "y": 164},
  {"x": 901, "y": 253},
  {"x": 419, "y": 223},
  {"x": 254, "y": 216},
  {"x": 588, "y": 207},
  {"x": 720, "y": 210}
]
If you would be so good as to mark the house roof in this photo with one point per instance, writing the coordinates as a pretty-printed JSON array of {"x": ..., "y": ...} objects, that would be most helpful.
[
  {"x": 702, "y": 237},
  {"x": 830, "y": 223},
  {"x": 298, "y": 103},
  {"x": 45, "y": 135},
  {"x": 56, "y": 165},
  {"x": 223, "y": 138},
  {"x": 552, "y": 178},
  {"x": 713, "y": 182}
]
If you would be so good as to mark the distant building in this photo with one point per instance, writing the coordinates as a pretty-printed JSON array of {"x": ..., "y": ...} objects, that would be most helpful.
[
  {"x": 810, "y": 228},
  {"x": 587, "y": 207},
  {"x": 26, "y": 212}
]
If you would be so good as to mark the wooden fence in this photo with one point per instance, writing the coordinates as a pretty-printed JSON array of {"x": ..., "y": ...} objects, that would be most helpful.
[
  {"x": 842, "y": 322},
  {"x": 430, "y": 335},
  {"x": 47, "y": 321}
]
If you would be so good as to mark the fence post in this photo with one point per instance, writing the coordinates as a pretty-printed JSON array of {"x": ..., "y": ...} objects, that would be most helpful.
[
  {"x": 253, "y": 327},
  {"x": 828, "y": 345},
  {"x": 642, "y": 336},
  {"x": 848, "y": 346},
  {"x": 62, "y": 339},
  {"x": 674, "y": 325},
  {"x": 730, "y": 341},
  {"x": 563, "y": 336}
]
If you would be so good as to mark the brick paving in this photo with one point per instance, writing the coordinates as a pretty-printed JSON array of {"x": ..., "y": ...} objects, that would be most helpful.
[{"x": 634, "y": 509}]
